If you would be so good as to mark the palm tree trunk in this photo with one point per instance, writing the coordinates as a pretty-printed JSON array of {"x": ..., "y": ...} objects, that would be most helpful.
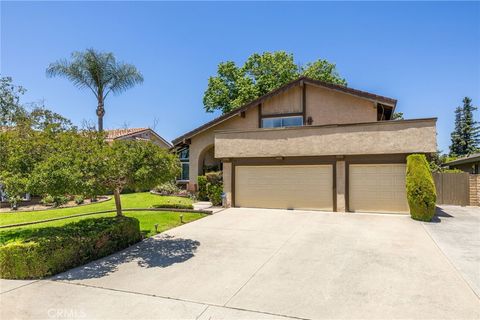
[
  {"x": 100, "y": 114},
  {"x": 118, "y": 203}
]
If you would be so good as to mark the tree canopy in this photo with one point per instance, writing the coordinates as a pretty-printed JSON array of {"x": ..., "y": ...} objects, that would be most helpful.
[
  {"x": 465, "y": 135},
  {"x": 42, "y": 153},
  {"x": 234, "y": 86},
  {"x": 98, "y": 71}
]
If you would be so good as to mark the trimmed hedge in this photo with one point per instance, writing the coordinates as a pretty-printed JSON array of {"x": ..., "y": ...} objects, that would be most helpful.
[
  {"x": 173, "y": 206},
  {"x": 421, "y": 192},
  {"x": 37, "y": 253}
]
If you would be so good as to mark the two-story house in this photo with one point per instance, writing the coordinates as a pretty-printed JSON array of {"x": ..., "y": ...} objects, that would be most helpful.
[{"x": 309, "y": 145}]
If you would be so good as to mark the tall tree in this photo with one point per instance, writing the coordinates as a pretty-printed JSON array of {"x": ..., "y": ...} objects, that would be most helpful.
[
  {"x": 457, "y": 147},
  {"x": 233, "y": 86},
  {"x": 470, "y": 127},
  {"x": 98, "y": 71},
  {"x": 465, "y": 136}
]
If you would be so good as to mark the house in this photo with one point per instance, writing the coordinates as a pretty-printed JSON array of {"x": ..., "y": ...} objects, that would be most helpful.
[
  {"x": 136, "y": 134},
  {"x": 309, "y": 145},
  {"x": 468, "y": 164}
]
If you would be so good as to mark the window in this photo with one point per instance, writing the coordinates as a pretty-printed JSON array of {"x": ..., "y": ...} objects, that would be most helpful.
[
  {"x": 184, "y": 156},
  {"x": 184, "y": 175},
  {"x": 279, "y": 122}
]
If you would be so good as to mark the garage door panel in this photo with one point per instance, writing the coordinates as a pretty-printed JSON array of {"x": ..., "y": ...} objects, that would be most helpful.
[
  {"x": 377, "y": 188},
  {"x": 295, "y": 186}
]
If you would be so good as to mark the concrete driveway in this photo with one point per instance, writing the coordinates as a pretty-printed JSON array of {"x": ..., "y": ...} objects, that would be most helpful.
[{"x": 262, "y": 264}]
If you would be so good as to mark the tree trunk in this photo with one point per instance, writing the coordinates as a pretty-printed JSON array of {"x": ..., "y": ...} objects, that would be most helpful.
[
  {"x": 100, "y": 114},
  {"x": 118, "y": 203}
]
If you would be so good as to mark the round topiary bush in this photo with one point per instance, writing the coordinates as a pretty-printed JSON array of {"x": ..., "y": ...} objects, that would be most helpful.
[{"x": 421, "y": 192}]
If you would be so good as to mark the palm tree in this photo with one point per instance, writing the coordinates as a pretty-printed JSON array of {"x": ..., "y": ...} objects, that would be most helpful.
[{"x": 99, "y": 72}]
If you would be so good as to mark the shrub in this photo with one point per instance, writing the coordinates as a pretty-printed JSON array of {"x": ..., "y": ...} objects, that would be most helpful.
[
  {"x": 47, "y": 200},
  {"x": 36, "y": 253},
  {"x": 14, "y": 200},
  {"x": 210, "y": 187},
  {"x": 55, "y": 201},
  {"x": 421, "y": 192},
  {"x": 173, "y": 205},
  {"x": 214, "y": 177},
  {"x": 79, "y": 199},
  {"x": 202, "y": 188},
  {"x": 168, "y": 188},
  {"x": 214, "y": 192}
]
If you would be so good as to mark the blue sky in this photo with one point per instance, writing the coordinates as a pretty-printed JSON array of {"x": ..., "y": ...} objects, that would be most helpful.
[{"x": 426, "y": 54}]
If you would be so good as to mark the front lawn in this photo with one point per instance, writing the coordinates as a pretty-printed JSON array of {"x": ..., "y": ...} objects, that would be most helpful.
[
  {"x": 165, "y": 220},
  {"x": 46, "y": 248},
  {"x": 132, "y": 200}
]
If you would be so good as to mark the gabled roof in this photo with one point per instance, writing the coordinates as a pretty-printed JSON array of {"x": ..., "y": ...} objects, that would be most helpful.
[
  {"x": 362, "y": 94},
  {"x": 115, "y": 134},
  {"x": 119, "y": 133},
  {"x": 475, "y": 157}
]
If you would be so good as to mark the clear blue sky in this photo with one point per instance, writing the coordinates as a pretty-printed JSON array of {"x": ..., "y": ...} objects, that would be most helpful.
[{"x": 426, "y": 55}]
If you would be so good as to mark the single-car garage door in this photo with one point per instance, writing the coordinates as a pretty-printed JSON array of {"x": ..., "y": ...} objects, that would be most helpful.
[
  {"x": 286, "y": 187},
  {"x": 377, "y": 188}
]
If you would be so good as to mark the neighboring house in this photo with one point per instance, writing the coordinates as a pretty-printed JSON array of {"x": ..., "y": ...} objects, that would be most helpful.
[
  {"x": 468, "y": 164},
  {"x": 310, "y": 145},
  {"x": 137, "y": 134}
]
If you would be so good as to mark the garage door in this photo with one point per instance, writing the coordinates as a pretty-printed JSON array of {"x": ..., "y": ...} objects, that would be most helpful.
[
  {"x": 377, "y": 188},
  {"x": 286, "y": 187}
]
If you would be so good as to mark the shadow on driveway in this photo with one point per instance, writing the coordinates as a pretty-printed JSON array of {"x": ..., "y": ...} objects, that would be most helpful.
[
  {"x": 150, "y": 253},
  {"x": 439, "y": 214}
]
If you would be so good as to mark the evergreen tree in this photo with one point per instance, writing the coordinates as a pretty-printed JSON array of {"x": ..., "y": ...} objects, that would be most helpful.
[
  {"x": 457, "y": 148},
  {"x": 465, "y": 136},
  {"x": 470, "y": 127}
]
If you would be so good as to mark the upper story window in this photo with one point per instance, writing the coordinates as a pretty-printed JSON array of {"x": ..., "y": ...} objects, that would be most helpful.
[
  {"x": 183, "y": 154},
  {"x": 279, "y": 122}
]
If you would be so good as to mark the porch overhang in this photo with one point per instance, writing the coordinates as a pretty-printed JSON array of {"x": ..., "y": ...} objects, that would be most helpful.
[{"x": 381, "y": 137}]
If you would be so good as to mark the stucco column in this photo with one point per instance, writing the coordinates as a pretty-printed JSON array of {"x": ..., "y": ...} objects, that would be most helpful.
[
  {"x": 227, "y": 182},
  {"x": 340, "y": 169}
]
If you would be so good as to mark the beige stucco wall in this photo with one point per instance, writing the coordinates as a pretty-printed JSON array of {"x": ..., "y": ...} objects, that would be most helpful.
[
  {"x": 332, "y": 107},
  {"x": 386, "y": 137},
  {"x": 286, "y": 102},
  {"x": 323, "y": 105},
  {"x": 205, "y": 139}
]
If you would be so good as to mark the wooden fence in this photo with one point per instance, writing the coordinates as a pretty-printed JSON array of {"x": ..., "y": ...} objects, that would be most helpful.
[{"x": 452, "y": 188}]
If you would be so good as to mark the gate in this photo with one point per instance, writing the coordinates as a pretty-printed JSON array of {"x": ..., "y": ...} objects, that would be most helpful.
[{"x": 452, "y": 188}]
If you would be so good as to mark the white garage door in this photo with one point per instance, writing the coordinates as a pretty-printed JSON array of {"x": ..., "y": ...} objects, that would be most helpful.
[
  {"x": 286, "y": 187},
  {"x": 377, "y": 188}
]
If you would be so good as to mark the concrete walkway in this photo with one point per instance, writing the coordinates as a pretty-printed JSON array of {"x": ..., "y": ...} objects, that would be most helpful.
[{"x": 261, "y": 264}]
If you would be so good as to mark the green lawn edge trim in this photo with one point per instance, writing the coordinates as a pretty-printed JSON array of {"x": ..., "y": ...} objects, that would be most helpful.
[{"x": 101, "y": 212}]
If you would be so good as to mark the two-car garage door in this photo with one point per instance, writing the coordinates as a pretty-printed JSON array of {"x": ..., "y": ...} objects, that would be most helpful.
[
  {"x": 285, "y": 186},
  {"x": 371, "y": 187}
]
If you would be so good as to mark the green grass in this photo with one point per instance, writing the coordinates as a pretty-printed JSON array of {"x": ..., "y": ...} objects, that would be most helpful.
[
  {"x": 165, "y": 220},
  {"x": 132, "y": 200}
]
